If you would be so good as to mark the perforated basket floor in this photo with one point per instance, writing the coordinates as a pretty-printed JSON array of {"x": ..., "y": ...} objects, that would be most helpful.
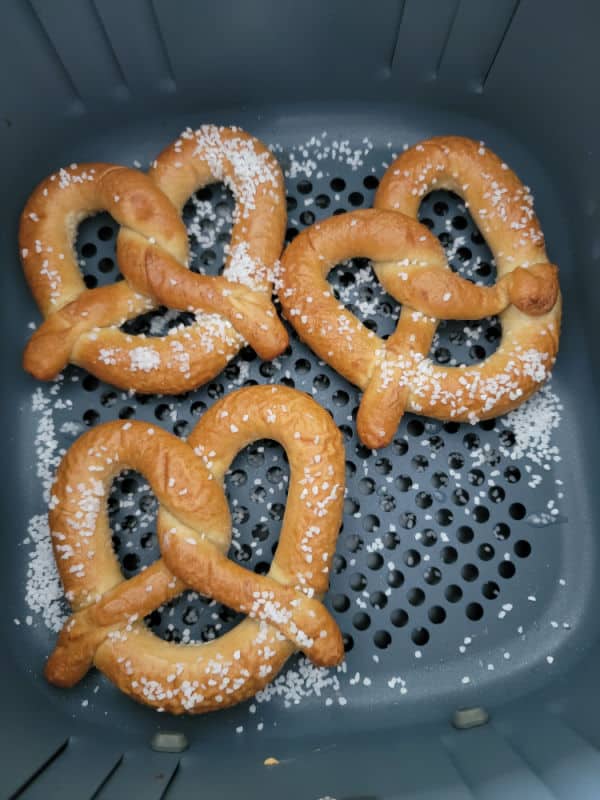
[
  {"x": 454, "y": 582},
  {"x": 436, "y": 526}
]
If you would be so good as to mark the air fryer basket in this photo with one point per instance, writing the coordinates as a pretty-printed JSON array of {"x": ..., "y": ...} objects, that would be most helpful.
[{"x": 464, "y": 572}]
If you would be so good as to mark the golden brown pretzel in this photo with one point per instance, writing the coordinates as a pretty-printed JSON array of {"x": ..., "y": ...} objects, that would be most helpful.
[
  {"x": 396, "y": 375},
  {"x": 194, "y": 528},
  {"x": 82, "y": 325}
]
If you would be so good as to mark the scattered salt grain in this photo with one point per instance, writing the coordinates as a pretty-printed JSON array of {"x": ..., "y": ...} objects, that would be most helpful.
[
  {"x": 144, "y": 359},
  {"x": 533, "y": 424}
]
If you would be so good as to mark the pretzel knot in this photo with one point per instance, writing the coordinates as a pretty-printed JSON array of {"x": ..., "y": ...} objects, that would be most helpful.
[
  {"x": 283, "y": 608},
  {"x": 396, "y": 375},
  {"x": 82, "y": 326}
]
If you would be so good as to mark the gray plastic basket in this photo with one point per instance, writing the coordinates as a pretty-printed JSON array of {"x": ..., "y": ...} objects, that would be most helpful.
[{"x": 464, "y": 574}]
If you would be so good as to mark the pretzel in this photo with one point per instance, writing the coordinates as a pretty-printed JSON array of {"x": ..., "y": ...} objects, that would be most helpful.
[
  {"x": 396, "y": 375},
  {"x": 283, "y": 608},
  {"x": 82, "y": 326}
]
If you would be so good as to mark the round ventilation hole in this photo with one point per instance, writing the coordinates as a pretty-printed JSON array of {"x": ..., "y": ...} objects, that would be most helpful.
[
  {"x": 416, "y": 597},
  {"x": 382, "y": 639},
  {"x": 436, "y": 615},
  {"x": 474, "y": 611},
  {"x": 506, "y": 569},
  {"x": 420, "y": 636},
  {"x": 469, "y": 572},
  {"x": 405, "y": 548},
  {"x": 522, "y": 548},
  {"x": 361, "y": 621}
]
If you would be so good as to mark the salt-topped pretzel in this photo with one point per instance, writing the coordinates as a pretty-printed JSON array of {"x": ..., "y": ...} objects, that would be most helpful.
[
  {"x": 396, "y": 375},
  {"x": 283, "y": 608},
  {"x": 82, "y": 326}
]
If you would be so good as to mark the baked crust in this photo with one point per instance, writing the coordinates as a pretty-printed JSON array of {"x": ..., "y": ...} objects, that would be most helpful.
[
  {"x": 283, "y": 608},
  {"x": 82, "y": 326},
  {"x": 396, "y": 375}
]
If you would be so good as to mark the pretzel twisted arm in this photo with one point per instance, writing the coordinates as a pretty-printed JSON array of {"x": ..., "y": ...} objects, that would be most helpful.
[{"x": 443, "y": 294}]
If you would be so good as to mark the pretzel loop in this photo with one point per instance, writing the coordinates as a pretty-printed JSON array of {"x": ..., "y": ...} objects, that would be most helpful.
[
  {"x": 248, "y": 168},
  {"x": 194, "y": 529},
  {"x": 397, "y": 375},
  {"x": 82, "y": 325}
]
